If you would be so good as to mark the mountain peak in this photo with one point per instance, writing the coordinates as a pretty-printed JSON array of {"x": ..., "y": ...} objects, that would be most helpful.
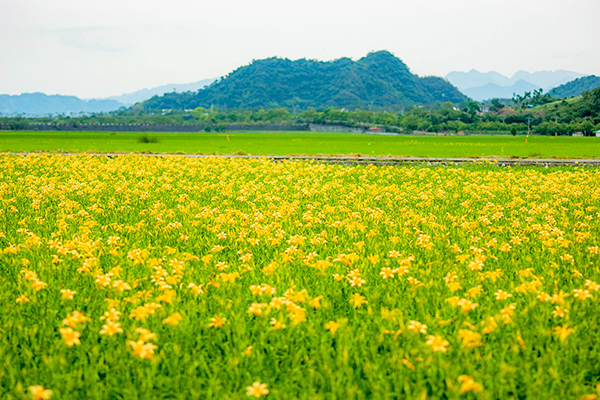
[
  {"x": 380, "y": 53},
  {"x": 378, "y": 80},
  {"x": 476, "y": 84}
]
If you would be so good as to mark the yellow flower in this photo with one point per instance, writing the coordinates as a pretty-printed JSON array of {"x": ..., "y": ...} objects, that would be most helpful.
[
  {"x": 469, "y": 384},
  {"x": 559, "y": 312},
  {"x": 103, "y": 279},
  {"x": 139, "y": 313},
  {"x": 38, "y": 285},
  {"x": 67, "y": 294},
  {"x": 321, "y": 264},
  {"x": 507, "y": 313},
  {"x": 297, "y": 315},
  {"x": 357, "y": 300},
  {"x": 111, "y": 315},
  {"x": 453, "y": 301},
  {"x": 229, "y": 277},
  {"x": 356, "y": 281},
  {"x": 142, "y": 350},
  {"x": 559, "y": 298},
  {"x": 332, "y": 326},
  {"x": 121, "y": 286},
  {"x": 563, "y": 332},
  {"x": 256, "y": 290},
  {"x": 469, "y": 338},
  {"x": 173, "y": 319},
  {"x": 591, "y": 285},
  {"x": 437, "y": 343},
  {"x": 22, "y": 299},
  {"x": 505, "y": 247},
  {"x": 393, "y": 254},
  {"x": 267, "y": 290},
  {"x": 217, "y": 322},
  {"x": 386, "y": 272},
  {"x": 502, "y": 295},
  {"x": 112, "y": 303},
  {"x": 40, "y": 393},
  {"x": 544, "y": 297},
  {"x": 195, "y": 289},
  {"x": 582, "y": 294},
  {"x": 490, "y": 325},
  {"x": 407, "y": 364},
  {"x": 277, "y": 324},
  {"x": 373, "y": 259},
  {"x": 256, "y": 309},
  {"x": 75, "y": 318},
  {"x": 416, "y": 327},
  {"x": 111, "y": 328},
  {"x": 467, "y": 305},
  {"x": 70, "y": 336},
  {"x": 167, "y": 296},
  {"x": 257, "y": 390},
  {"x": 316, "y": 302},
  {"x": 145, "y": 335},
  {"x": 474, "y": 292},
  {"x": 245, "y": 257}
]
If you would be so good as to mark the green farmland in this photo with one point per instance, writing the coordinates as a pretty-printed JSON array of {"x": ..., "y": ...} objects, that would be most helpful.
[{"x": 285, "y": 143}]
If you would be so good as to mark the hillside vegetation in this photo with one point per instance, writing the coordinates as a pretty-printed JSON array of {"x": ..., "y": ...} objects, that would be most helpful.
[
  {"x": 379, "y": 80},
  {"x": 576, "y": 87}
]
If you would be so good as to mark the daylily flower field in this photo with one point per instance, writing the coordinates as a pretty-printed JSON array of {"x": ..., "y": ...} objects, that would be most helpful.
[{"x": 178, "y": 278}]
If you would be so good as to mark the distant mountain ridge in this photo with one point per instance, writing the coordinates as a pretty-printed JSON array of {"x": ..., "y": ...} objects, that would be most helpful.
[
  {"x": 40, "y": 104},
  {"x": 378, "y": 80},
  {"x": 145, "y": 94},
  {"x": 484, "y": 86},
  {"x": 491, "y": 90},
  {"x": 577, "y": 87}
]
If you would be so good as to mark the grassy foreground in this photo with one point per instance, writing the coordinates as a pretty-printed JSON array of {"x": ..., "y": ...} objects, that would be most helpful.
[
  {"x": 178, "y": 278},
  {"x": 305, "y": 143}
]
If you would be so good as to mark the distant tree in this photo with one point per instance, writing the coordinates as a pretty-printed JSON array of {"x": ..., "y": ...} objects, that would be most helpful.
[
  {"x": 496, "y": 106},
  {"x": 473, "y": 107}
]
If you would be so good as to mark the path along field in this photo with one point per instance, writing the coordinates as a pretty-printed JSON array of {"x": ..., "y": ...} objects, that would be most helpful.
[
  {"x": 153, "y": 278},
  {"x": 305, "y": 143}
]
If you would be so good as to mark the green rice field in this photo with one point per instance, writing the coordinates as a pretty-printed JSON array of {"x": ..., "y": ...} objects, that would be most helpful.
[{"x": 285, "y": 143}]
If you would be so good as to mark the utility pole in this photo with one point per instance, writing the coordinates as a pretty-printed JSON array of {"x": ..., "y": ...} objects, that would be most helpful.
[{"x": 528, "y": 128}]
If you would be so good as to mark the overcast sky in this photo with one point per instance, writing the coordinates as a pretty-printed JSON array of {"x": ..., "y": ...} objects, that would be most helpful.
[{"x": 98, "y": 48}]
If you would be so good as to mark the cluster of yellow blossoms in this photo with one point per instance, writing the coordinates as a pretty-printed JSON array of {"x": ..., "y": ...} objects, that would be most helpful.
[{"x": 424, "y": 263}]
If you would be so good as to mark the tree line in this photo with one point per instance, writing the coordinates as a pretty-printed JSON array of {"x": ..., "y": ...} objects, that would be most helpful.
[{"x": 537, "y": 113}]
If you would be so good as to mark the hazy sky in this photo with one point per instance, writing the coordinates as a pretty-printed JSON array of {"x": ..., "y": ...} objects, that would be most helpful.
[{"x": 98, "y": 48}]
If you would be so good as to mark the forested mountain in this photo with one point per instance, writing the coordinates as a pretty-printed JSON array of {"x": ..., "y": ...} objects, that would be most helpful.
[
  {"x": 379, "y": 80},
  {"x": 38, "y": 104},
  {"x": 576, "y": 87}
]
